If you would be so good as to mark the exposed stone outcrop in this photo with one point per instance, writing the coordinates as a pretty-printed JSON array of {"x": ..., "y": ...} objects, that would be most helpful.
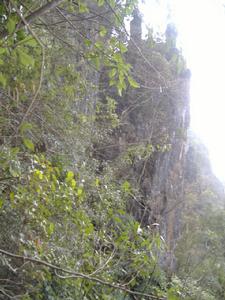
[
  {"x": 152, "y": 137},
  {"x": 157, "y": 117}
]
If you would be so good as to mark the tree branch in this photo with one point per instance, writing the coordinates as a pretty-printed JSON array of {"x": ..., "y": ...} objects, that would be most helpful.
[
  {"x": 75, "y": 275},
  {"x": 42, "y": 65},
  {"x": 34, "y": 15}
]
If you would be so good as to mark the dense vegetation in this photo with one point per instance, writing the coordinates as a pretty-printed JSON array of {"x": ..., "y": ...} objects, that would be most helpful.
[{"x": 93, "y": 128}]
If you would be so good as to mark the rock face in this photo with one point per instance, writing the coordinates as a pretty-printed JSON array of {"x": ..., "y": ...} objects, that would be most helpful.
[
  {"x": 153, "y": 134},
  {"x": 158, "y": 115},
  {"x": 151, "y": 148}
]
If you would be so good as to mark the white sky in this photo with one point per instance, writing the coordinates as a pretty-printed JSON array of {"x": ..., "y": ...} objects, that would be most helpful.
[{"x": 201, "y": 28}]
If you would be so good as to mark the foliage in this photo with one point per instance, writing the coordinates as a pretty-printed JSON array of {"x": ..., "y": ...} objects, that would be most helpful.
[
  {"x": 55, "y": 205},
  {"x": 200, "y": 257},
  {"x": 74, "y": 222},
  {"x": 85, "y": 115}
]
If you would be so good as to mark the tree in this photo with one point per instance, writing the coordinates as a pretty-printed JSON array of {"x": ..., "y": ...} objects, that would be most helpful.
[{"x": 66, "y": 231}]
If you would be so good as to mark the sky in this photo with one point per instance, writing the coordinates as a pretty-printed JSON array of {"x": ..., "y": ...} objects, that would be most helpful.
[{"x": 201, "y": 29}]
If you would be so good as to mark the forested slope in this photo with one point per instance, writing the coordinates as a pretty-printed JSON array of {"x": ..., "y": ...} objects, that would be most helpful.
[{"x": 103, "y": 195}]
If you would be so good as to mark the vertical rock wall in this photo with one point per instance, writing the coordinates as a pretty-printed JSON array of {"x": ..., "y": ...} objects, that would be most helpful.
[
  {"x": 152, "y": 136},
  {"x": 157, "y": 115}
]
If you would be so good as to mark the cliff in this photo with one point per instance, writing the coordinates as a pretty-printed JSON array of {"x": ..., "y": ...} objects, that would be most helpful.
[
  {"x": 153, "y": 148},
  {"x": 103, "y": 193},
  {"x": 150, "y": 146}
]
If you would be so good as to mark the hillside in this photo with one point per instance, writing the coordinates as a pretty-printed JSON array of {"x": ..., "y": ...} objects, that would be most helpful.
[{"x": 104, "y": 192}]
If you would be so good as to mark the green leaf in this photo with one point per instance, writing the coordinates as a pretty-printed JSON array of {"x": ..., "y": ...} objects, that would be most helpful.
[
  {"x": 39, "y": 174},
  {"x": 158, "y": 241},
  {"x": 82, "y": 7},
  {"x": 112, "y": 82},
  {"x": 121, "y": 78},
  {"x": 51, "y": 229},
  {"x": 1, "y": 203},
  {"x": 121, "y": 212},
  {"x": 102, "y": 31},
  {"x": 30, "y": 42},
  {"x": 79, "y": 192},
  {"x": 89, "y": 229},
  {"x": 2, "y": 50},
  {"x": 112, "y": 3},
  {"x": 28, "y": 143},
  {"x": 25, "y": 59},
  {"x": 2, "y": 80},
  {"x": 20, "y": 35},
  {"x": 87, "y": 42},
  {"x": 122, "y": 47},
  {"x": 112, "y": 73},
  {"x": 73, "y": 183},
  {"x": 69, "y": 176},
  {"x": 25, "y": 126},
  {"x": 133, "y": 83},
  {"x": 101, "y": 2},
  {"x": 11, "y": 196},
  {"x": 11, "y": 24},
  {"x": 119, "y": 90},
  {"x": 126, "y": 187},
  {"x": 117, "y": 219},
  {"x": 96, "y": 62},
  {"x": 99, "y": 45},
  {"x": 97, "y": 182},
  {"x": 171, "y": 295}
]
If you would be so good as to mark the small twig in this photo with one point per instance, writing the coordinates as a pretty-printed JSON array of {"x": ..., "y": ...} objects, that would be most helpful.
[
  {"x": 143, "y": 171},
  {"x": 104, "y": 265}
]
